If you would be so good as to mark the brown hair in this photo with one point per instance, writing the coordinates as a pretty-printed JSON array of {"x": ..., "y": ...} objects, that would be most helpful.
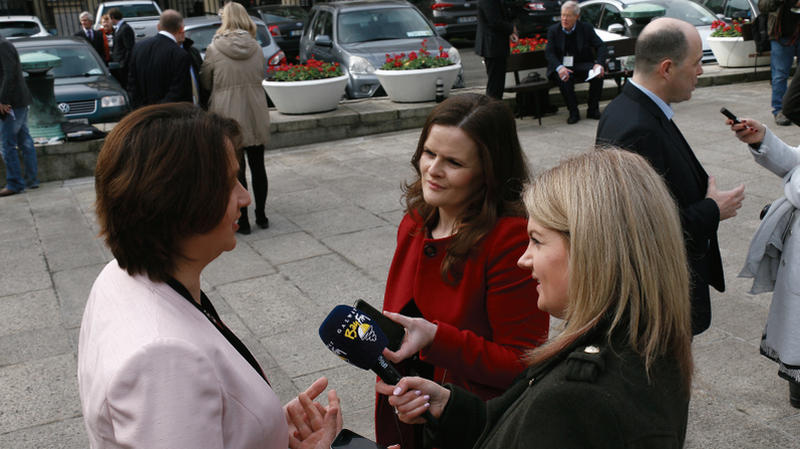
[
  {"x": 627, "y": 261},
  {"x": 490, "y": 124},
  {"x": 163, "y": 174}
]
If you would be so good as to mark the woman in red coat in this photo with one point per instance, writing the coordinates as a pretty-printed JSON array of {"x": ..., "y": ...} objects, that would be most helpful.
[{"x": 454, "y": 283}]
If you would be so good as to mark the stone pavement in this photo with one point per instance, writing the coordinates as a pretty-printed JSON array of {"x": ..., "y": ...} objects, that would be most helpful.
[{"x": 333, "y": 209}]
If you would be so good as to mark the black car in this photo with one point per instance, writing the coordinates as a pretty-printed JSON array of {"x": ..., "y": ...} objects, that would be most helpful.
[
  {"x": 84, "y": 89},
  {"x": 285, "y": 24},
  {"x": 535, "y": 16},
  {"x": 452, "y": 18}
]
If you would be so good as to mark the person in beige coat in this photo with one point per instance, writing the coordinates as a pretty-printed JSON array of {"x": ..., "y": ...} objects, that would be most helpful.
[{"x": 233, "y": 70}]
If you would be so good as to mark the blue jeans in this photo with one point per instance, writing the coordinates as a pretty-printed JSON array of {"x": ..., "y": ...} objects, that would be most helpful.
[
  {"x": 780, "y": 63},
  {"x": 15, "y": 133}
]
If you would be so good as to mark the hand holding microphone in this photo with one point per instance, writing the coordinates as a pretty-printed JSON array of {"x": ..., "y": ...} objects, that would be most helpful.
[{"x": 413, "y": 398}]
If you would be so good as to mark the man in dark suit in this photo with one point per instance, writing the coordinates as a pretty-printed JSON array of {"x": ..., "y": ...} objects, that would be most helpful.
[
  {"x": 14, "y": 100},
  {"x": 491, "y": 41},
  {"x": 573, "y": 49},
  {"x": 124, "y": 38},
  {"x": 94, "y": 37},
  {"x": 668, "y": 53},
  {"x": 160, "y": 70}
]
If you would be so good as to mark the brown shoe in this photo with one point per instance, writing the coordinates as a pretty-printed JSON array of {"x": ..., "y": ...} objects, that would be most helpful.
[{"x": 7, "y": 192}]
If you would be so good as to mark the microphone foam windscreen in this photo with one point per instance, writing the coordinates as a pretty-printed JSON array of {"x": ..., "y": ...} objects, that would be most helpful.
[{"x": 353, "y": 336}]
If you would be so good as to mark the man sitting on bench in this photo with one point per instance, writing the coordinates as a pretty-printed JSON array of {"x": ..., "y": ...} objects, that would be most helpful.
[{"x": 570, "y": 59}]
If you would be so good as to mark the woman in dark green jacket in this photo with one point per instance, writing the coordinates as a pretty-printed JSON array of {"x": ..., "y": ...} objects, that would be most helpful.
[{"x": 606, "y": 248}]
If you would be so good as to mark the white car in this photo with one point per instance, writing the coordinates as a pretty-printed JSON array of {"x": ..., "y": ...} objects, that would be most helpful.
[
  {"x": 130, "y": 9},
  {"x": 14, "y": 27}
]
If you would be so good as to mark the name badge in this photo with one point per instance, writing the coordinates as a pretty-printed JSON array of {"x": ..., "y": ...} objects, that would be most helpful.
[{"x": 567, "y": 61}]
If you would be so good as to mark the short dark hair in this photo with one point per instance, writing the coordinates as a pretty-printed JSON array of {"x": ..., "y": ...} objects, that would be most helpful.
[
  {"x": 490, "y": 124},
  {"x": 170, "y": 21},
  {"x": 163, "y": 174},
  {"x": 664, "y": 43},
  {"x": 115, "y": 13}
]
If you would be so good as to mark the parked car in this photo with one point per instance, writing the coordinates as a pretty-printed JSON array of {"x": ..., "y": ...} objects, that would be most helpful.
[
  {"x": 607, "y": 15},
  {"x": 15, "y": 27},
  {"x": 130, "y": 9},
  {"x": 732, "y": 9},
  {"x": 84, "y": 89},
  {"x": 201, "y": 31},
  {"x": 285, "y": 25},
  {"x": 452, "y": 18},
  {"x": 535, "y": 16},
  {"x": 358, "y": 35}
]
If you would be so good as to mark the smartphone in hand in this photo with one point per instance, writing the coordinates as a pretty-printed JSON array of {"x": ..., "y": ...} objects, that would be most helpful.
[
  {"x": 393, "y": 331},
  {"x": 730, "y": 115}
]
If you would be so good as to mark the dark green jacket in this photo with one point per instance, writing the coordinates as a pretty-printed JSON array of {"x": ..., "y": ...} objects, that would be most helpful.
[{"x": 582, "y": 398}]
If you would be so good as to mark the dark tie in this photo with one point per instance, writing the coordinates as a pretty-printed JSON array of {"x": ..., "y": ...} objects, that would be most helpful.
[{"x": 89, "y": 34}]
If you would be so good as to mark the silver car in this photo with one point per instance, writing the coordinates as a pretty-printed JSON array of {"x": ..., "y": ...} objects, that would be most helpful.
[
  {"x": 358, "y": 35},
  {"x": 201, "y": 31}
]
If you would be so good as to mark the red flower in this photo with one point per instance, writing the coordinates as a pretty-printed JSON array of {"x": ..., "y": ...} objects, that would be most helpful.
[{"x": 412, "y": 56}]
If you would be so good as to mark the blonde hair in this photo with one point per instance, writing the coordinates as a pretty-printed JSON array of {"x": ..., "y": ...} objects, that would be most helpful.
[
  {"x": 235, "y": 17},
  {"x": 627, "y": 259}
]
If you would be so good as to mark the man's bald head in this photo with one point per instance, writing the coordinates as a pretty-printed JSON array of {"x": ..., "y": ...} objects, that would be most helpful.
[
  {"x": 663, "y": 38},
  {"x": 170, "y": 21}
]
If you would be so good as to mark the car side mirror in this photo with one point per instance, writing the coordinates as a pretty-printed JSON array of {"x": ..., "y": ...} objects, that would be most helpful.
[
  {"x": 114, "y": 65},
  {"x": 439, "y": 30},
  {"x": 720, "y": 16},
  {"x": 616, "y": 28},
  {"x": 323, "y": 40}
]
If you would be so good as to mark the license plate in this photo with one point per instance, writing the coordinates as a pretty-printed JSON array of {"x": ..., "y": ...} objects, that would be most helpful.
[
  {"x": 84, "y": 121},
  {"x": 468, "y": 19},
  {"x": 295, "y": 33}
]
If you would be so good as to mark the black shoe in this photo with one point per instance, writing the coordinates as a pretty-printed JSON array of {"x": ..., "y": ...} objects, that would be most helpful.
[
  {"x": 573, "y": 119},
  {"x": 244, "y": 227},
  {"x": 593, "y": 113},
  {"x": 262, "y": 222},
  {"x": 794, "y": 394}
]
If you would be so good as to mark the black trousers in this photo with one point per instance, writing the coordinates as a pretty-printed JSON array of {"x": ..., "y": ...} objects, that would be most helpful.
[
  {"x": 567, "y": 89},
  {"x": 255, "y": 159},
  {"x": 496, "y": 72}
]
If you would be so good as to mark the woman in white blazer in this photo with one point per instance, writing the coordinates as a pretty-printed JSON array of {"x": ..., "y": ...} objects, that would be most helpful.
[
  {"x": 773, "y": 260},
  {"x": 157, "y": 368}
]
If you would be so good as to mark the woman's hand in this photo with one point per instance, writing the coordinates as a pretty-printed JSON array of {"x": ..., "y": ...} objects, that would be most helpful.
[
  {"x": 412, "y": 396},
  {"x": 312, "y": 425},
  {"x": 748, "y": 130},
  {"x": 419, "y": 335}
]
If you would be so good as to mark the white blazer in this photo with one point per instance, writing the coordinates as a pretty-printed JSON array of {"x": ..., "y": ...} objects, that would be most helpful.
[{"x": 153, "y": 372}]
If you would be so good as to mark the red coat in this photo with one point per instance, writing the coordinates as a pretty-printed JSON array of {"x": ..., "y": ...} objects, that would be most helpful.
[{"x": 485, "y": 322}]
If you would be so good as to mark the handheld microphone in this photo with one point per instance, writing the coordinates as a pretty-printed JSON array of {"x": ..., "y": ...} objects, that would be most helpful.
[{"x": 357, "y": 339}]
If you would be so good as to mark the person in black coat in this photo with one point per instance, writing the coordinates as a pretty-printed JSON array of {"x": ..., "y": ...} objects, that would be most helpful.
[
  {"x": 573, "y": 49},
  {"x": 124, "y": 38},
  {"x": 94, "y": 37},
  {"x": 495, "y": 28},
  {"x": 159, "y": 68},
  {"x": 668, "y": 53},
  {"x": 619, "y": 374}
]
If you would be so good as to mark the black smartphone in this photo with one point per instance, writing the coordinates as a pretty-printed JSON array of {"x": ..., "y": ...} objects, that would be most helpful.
[
  {"x": 393, "y": 331},
  {"x": 730, "y": 115},
  {"x": 347, "y": 439}
]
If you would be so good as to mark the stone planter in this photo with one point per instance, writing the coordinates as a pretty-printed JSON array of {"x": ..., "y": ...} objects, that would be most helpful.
[
  {"x": 306, "y": 97},
  {"x": 736, "y": 52},
  {"x": 413, "y": 86}
]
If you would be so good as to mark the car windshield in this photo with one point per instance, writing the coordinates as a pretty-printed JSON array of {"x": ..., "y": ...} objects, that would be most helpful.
[
  {"x": 287, "y": 14},
  {"x": 382, "y": 24},
  {"x": 75, "y": 61},
  {"x": 687, "y": 11},
  {"x": 138, "y": 10},
  {"x": 18, "y": 29},
  {"x": 202, "y": 36}
]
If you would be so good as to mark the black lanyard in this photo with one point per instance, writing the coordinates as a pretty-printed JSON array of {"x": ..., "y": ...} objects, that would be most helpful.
[{"x": 208, "y": 310}]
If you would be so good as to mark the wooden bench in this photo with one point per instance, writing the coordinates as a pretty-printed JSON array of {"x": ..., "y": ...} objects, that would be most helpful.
[{"x": 536, "y": 60}]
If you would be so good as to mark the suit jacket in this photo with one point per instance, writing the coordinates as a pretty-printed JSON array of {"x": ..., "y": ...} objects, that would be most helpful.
[
  {"x": 494, "y": 28},
  {"x": 159, "y": 72},
  {"x": 96, "y": 41},
  {"x": 586, "y": 40},
  {"x": 154, "y": 372},
  {"x": 124, "y": 38},
  {"x": 13, "y": 88},
  {"x": 485, "y": 322},
  {"x": 634, "y": 122},
  {"x": 580, "y": 398}
]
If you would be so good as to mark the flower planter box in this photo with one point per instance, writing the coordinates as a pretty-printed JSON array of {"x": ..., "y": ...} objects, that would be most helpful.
[
  {"x": 306, "y": 97},
  {"x": 736, "y": 52},
  {"x": 414, "y": 86}
]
